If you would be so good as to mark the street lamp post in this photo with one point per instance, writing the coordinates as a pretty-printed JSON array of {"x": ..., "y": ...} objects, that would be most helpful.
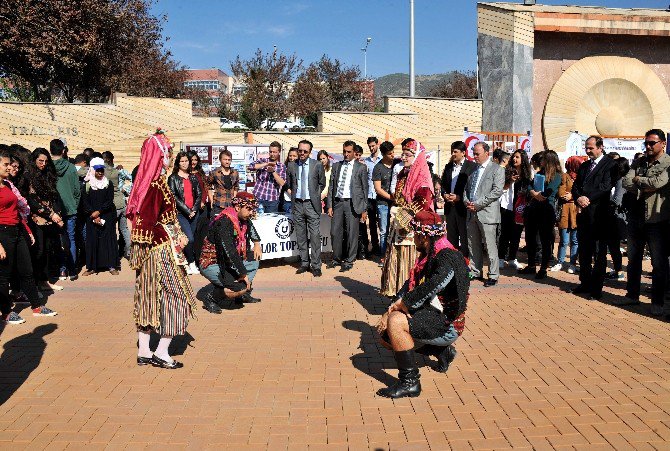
[{"x": 365, "y": 58}]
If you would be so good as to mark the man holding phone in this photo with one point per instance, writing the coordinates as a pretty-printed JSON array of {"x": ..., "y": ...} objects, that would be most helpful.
[{"x": 270, "y": 177}]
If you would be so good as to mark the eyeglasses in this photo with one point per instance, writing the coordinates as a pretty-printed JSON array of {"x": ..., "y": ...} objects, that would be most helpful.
[
  {"x": 303, "y": 151},
  {"x": 651, "y": 143}
]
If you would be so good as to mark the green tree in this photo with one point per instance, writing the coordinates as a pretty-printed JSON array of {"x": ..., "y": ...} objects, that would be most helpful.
[
  {"x": 267, "y": 77},
  {"x": 86, "y": 49}
]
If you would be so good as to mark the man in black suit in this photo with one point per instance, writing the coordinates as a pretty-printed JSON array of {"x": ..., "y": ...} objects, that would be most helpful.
[
  {"x": 591, "y": 192},
  {"x": 454, "y": 179},
  {"x": 347, "y": 204},
  {"x": 306, "y": 179}
]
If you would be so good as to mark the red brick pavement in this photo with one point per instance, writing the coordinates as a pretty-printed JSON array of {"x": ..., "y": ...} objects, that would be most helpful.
[{"x": 537, "y": 368}]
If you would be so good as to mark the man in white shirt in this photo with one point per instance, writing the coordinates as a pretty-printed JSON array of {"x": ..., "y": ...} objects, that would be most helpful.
[
  {"x": 371, "y": 161},
  {"x": 454, "y": 179},
  {"x": 347, "y": 205}
]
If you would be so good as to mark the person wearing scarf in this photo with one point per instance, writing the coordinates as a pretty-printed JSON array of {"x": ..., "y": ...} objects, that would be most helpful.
[
  {"x": 164, "y": 299},
  {"x": 223, "y": 258},
  {"x": 430, "y": 310},
  {"x": 98, "y": 206},
  {"x": 413, "y": 191}
]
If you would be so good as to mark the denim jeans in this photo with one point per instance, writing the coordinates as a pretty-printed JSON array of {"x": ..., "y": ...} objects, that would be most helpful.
[
  {"x": 213, "y": 273},
  {"x": 188, "y": 227},
  {"x": 123, "y": 230},
  {"x": 655, "y": 235},
  {"x": 568, "y": 236},
  {"x": 69, "y": 256},
  {"x": 383, "y": 218},
  {"x": 269, "y": 206}
]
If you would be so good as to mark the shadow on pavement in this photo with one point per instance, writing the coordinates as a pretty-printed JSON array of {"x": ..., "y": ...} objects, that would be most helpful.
[
  {"x": 20, "y": 357},
  {"x": 365, "y": 294}
]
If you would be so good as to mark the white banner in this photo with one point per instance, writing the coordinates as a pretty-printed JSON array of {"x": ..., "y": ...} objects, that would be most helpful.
[
  {"x": 470, "y": 140},
  {"x": 526, "y": 143},
  {"x": 627, "y": 148},
  {"x": 277, "y": 234}
]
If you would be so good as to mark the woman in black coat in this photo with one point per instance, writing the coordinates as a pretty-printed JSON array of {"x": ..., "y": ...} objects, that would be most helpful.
[{"x": 98, "y": 206}]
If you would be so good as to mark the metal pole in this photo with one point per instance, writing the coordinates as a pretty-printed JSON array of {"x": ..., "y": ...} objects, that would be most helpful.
[
  {"x": 411, "y": 48},
  {"x": 365, "y": 65}
]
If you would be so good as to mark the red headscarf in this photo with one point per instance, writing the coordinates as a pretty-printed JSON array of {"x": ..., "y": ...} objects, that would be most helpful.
[
  {"x": 419, "y": 174},
  {"x": 153, "y": 158},
  {"x": 572, "y": 165}
]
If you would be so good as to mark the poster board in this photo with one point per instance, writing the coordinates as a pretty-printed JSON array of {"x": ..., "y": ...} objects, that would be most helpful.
[
  {"x": 277, "y": 232},
  {"x": 243, "y": 156}
]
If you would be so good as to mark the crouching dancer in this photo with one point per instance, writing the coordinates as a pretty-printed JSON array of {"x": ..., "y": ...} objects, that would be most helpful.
[
  {"x": 223, "y": 256},
  {"x": 430, "y": 310},
  {"x": 164, "y": 299}
]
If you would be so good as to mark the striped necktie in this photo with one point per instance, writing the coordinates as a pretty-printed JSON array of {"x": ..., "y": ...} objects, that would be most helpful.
[{"x": 343, "y": 180}]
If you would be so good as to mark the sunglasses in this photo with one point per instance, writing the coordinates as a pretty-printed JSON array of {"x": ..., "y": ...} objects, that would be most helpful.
[{"x": 651, "y": 143}]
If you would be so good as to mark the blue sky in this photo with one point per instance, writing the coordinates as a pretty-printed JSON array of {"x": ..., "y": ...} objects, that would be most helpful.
[{"x": 211, "y": 33}]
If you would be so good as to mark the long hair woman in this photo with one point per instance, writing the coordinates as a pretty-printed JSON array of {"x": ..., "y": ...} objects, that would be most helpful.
[
  {"x": 15, "y": 236},
  {"x": 567, "y": 217},
  {"x": 196, "y": 169},
  {"x": 187, "y": 194},
  {"x": 540, "y": 213},
  {"x": 45, "y": 219},
  {"x": 284, "y": 196},
  {"x": 517, "y": 180},
  {"x": 324, "y": 159}
]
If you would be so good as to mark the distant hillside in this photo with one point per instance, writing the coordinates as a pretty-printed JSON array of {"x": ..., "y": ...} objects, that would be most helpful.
[{"x": 398, "y": 84}]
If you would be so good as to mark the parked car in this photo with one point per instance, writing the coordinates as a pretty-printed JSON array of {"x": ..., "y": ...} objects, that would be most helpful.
[
  {"x": 227, "y": 123},
  {"x": 284, "y": 125}
]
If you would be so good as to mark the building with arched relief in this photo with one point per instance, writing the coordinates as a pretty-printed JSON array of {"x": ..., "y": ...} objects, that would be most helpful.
[{"x": 557, "y": 69}]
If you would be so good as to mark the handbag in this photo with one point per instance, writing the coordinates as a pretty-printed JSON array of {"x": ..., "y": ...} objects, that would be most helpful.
[{"x": 519, "y": 207}]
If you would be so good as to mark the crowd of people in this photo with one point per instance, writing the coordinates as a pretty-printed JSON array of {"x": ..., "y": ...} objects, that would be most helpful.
[{"x": 169, "y": 219}]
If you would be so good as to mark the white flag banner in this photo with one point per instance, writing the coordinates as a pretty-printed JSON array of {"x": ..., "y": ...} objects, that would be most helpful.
[
  {"x": 470, "y": 140},
  {"x": 526, "y": 144}
]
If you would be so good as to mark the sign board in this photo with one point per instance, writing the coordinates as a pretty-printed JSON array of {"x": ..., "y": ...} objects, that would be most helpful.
[
  {"x": 243, "y": 155},
  {"x": 278, "y": 238},
  {"x": 627, "y": 148}
]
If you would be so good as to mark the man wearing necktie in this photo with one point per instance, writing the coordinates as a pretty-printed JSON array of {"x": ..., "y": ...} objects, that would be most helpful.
[
  {"x": 306, "y": 179},
  {"x": 482, "y": 202},
  {"x": 347, "y": 203},
  {"x": 591, "y": 191}
]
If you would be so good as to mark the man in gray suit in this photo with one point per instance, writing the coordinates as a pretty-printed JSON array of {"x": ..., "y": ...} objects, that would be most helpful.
[
  {"x": 482, "y": 201},
  {"x": 306, "y": 179},
  {"x": 347, "y": 204}
]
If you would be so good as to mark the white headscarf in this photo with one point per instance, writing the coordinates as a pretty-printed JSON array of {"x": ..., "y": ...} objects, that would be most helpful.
[{"x": 93, "y": 182}]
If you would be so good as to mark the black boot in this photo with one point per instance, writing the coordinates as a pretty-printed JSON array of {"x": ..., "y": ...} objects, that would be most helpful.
[
  {"x": 444, "y": 358},
  {"x": 246, "y": 298},
  {"x": 408, "y": 378},
  {"x": 210, "y": 305}
]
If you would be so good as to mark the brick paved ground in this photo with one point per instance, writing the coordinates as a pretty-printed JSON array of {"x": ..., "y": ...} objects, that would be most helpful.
[{"x": 537, "y": 368}]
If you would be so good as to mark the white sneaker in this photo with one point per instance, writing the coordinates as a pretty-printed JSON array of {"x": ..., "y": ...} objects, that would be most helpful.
[
  {"x": 515, "y": 264},
  {"x": 191, "y": 269},
  {"x": 556, "y": 267},
  {"x": 502, "y": 264},
  {"x": 572, "y": 269},
  {"x": 656, "y": 310}
]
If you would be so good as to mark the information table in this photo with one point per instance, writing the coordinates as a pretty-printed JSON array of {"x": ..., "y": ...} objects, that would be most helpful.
[{"x": 277, "y": 232}]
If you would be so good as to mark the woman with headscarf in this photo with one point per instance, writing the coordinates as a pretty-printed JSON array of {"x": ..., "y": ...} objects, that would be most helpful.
[
  {"x": 164, "y": 298},
  {"x": 98, "y": 206},
  {"x": 567, "y": 216},
  {"x": 413, "y": 192}
]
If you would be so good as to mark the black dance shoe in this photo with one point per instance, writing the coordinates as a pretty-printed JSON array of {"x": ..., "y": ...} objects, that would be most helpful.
[
  {"x": 408, "y": 384},
  {"x": 142, "y": 361},
  {"x": 160, "y": 363}
]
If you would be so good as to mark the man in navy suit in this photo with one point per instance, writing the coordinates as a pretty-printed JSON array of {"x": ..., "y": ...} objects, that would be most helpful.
[{"x": 591, "y": 192}]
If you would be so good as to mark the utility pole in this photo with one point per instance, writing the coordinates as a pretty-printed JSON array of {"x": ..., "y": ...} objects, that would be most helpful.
[{"x": 411, "y": 48}]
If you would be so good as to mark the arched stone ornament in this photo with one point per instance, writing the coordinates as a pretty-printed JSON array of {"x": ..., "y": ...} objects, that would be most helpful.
[{"x": 605, "y": 95}]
